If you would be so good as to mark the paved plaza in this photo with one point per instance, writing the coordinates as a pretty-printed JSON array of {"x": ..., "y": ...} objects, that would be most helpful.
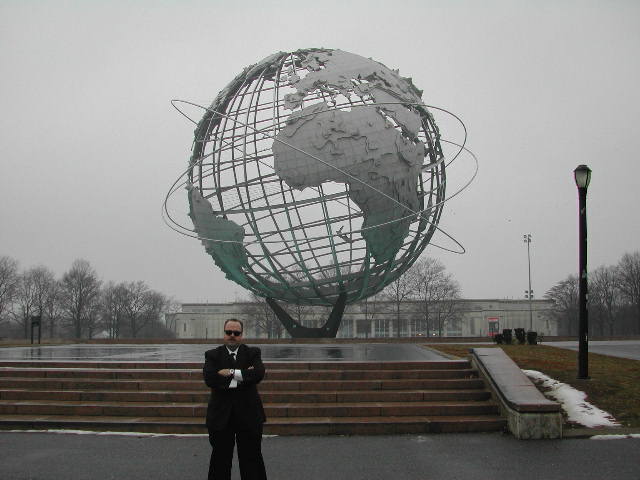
[
  {"x": 359, "y": 352},
  {"x": 368, "y": 352},
  {"x": 42, "y": 456},
  {"x": 92, "y": 456}
]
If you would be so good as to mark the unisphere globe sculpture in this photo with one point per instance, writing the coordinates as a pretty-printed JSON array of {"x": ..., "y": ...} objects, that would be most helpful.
[{"x": 317, "y": 177}]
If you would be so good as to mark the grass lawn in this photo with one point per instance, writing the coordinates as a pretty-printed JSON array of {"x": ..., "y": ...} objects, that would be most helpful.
[{"x": 614, "y": 385}]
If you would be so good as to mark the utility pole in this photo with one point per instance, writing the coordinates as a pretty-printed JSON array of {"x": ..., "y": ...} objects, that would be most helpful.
[{"x": 529, "y": 293}]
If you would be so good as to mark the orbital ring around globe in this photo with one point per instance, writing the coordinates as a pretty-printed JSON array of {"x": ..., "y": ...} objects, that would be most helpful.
[
  {"x": 180, "y": 183},
  {"x": 308, "y": 178}
]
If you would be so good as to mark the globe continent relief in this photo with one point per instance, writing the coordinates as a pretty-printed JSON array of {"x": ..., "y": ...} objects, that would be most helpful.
[{"x": 309, "y": 177}]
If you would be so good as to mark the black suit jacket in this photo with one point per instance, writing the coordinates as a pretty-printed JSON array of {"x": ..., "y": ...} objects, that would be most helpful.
[{"x": 241, "y": 404}]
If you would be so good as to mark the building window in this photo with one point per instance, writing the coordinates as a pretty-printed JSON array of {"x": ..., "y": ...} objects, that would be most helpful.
[
  {"x": 380, "y": 328},
  {"x": 346, "y": 329},
  {"x": 363, "y": 328}
]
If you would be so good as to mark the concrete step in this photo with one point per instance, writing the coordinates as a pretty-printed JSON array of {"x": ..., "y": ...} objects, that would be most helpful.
[
  {"x": 110, "y": 365},
  {"x": 119, "y": 409},
  {"x": 101, "y": 384},
  {"x": 379, "y": 409},
  {"x": 276, "y": 426},
  {"x": 376, "y": 396},
  {"x": 281, "y": 374},
  {"x": 378, "y": 366},
  {"x": 104, "y": 423},
  {"x": 196, "y": 396},
  {"x": 384, "y": 425},
  {"x": 102, "y": 373},
  {"x": 267, "y": 397},
  {"x": 265, "y": 386},
  {"x": 345, "y": 365},
  {"x": 360, "y": 385},
  {"x": 300, "y": 398},
  {"x": 369, "y": 374},
  {"x": 326, "y": 409}
]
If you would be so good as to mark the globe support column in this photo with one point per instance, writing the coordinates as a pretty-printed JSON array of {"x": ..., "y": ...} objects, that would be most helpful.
[{"x": 328, "y": 330}]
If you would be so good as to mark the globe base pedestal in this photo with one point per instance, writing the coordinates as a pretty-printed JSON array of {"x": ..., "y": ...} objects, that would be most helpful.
[{"x": 328, "y": 330}]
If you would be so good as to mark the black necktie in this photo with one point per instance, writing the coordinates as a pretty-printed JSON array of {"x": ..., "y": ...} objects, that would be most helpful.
[{"x": 233, "y": 358}]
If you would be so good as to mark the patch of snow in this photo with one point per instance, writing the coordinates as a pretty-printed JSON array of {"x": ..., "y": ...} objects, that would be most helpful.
[
  {"x": 573, "y": 402},
  {"x": 614, "y": 437}
]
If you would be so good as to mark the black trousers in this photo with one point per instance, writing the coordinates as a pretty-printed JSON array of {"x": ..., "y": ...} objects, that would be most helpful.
[{"x": 249, "y": 453}]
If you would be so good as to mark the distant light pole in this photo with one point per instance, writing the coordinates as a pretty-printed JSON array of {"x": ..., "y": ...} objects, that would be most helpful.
[
  {"x": 582, "y": 175},
  {"x": 529, "y": 293}
]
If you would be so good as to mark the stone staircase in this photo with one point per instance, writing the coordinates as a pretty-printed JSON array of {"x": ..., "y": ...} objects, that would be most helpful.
[{"x": 301, "y": 398}]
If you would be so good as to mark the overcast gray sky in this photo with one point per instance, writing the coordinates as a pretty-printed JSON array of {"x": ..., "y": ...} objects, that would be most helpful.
[{"x": 89, "y": 143}]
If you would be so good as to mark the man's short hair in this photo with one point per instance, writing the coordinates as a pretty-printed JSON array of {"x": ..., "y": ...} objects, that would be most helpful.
[{"x": 233, "y": 320}]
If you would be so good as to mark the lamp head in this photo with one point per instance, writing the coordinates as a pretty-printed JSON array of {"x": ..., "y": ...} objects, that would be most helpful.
[{"x": 582, "y": 176}]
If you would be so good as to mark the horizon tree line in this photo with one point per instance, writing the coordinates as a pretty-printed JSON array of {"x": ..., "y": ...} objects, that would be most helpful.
[
  {"x": 78, "y": 304},
  {"x": 613, "y": 299}
]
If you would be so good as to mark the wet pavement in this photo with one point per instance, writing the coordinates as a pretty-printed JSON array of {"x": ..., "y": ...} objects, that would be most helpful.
[
  {"x": 615, "y": 348},
  {"x": 469, "y": 456},
  {"x": 193, "y": 352},
  {"x": 360, "y": 352}
]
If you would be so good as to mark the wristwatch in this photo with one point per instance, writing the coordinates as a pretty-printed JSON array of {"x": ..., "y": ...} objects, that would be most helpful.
[{"x": 232, "y": 371}]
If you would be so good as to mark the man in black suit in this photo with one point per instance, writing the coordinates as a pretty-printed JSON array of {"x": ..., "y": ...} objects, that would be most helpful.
[{"x": 235, "y": 411}]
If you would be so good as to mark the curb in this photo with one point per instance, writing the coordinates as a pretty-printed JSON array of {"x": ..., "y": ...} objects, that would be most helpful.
[{"x": 576, "y": 433}]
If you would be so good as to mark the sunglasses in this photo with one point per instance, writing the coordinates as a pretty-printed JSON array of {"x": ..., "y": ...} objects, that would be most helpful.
[{"x": 235, "y": 333}]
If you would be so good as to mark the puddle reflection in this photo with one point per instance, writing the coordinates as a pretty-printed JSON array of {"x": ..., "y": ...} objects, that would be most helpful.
[{"x": 195, "y": 352}]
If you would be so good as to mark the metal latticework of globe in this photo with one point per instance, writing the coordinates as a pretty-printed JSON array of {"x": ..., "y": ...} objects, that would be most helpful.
[{"x": 316, "y": 173}]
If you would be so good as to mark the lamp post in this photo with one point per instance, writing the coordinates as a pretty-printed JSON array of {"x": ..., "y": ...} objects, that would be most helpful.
[
  {"x": 582, "y": 175},
  {"x": 529, "y": 293}
]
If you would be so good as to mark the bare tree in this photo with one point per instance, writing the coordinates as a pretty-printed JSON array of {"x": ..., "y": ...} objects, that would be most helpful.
[
  {"x": 448, "y": 309},
  {"x": 34, "y": 295},
  {"x": 157, "y": 304},
  {"x": 135, "y": 306},
  {"x": 9, "y": 278},
  {"x": 92, "y": 320},
  {"x": 371, "y": 309},
  {"x": 438, "y": 293},
  {"x": 171, "y": 308},
  {"x": 262, "y": 317},
  {"x": 629, "y": 278},
  {"x": 565, "y": 298},
  {"x": 401, "y": 289},
  {"x": 80, "y": 290},
  {"x": 142, "y": 307},
  {"x": 113, "y": 299},
  {"x": 77, "y": 302},
  {"x": 307, "y": 315},
  {"x": 604, "y": 297},
  {"x": 44, "y": 288},
  {"x": 53, "y": 308},
  {"x": 25, "y": 304},
  {"x": 303, "y": 313}
]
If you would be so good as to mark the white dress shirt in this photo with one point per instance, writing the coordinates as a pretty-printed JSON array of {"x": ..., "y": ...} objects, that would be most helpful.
[{"x": 237, "y": 375}]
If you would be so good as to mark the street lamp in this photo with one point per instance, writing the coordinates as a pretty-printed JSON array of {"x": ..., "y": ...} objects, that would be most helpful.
[
  {"x": 529, "y": 293},
  {"x": 582, "y": 175}
]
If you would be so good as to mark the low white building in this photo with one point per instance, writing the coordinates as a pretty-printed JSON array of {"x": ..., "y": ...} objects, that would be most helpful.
[{"x": 372, "y": 318}]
